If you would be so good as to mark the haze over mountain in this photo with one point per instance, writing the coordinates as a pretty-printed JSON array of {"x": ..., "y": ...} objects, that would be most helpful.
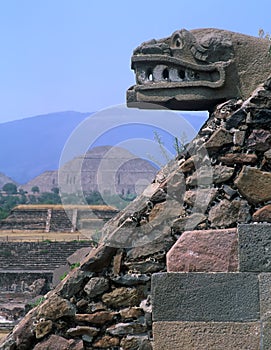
[{"x": 34, "y": 145}]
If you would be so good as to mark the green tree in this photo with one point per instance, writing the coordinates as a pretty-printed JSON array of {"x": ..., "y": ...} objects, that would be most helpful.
[
  {"x": 94, "y": 198},
  {"x": 7, "y": 203},
  {"x": 49, "y": 198},
  {"x": 35, "y": 189},
  {"x": 10, "y": 188},
  {"x": 55, "y": 190}
]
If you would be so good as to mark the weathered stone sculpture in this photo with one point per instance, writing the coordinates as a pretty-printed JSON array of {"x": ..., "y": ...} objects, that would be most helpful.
[{"x": 197, "y": 69}]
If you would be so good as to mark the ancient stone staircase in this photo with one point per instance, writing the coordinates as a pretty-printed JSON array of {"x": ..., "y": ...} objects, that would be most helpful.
[
  {"x": 54, "y": 218},
  {"x": 218, "y": 310},
  {"x": 29, "y": 256},
  {"x": 61, "y": 221},
  {"x": 25, "y": 219}
]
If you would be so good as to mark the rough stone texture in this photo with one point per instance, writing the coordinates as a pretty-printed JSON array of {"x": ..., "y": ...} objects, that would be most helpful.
[
  {"x": 265, "y": 296},
  {"x": 131, "y": 279},
  {"x": 23, "y": 335},
  {"x": 96, "y": 286},
  {"x": 187, "y": 223},
  {"x": 263, "y": 214},
  {"x": 235, "y": 119},
  {"x": 254, "y": 184},
  {"x": 267, "y": 155},
  {"x": 218, "y": 297},
  {"x": 122, "y": 297},
  {"x": 131, "y": 313},
  {"x": 227, "y": 213},
  {"x": 56, "y": 307},
  {"x": 99, "y": 317},
  {"x": 43, "y": 328},
  {"x": 98, "y": 258},
  {"x": 207, "y": 335},
  {"x": 189, "y": 164},
  {"x": 55, "y": 342},
  {"x": 239, "y": 137},
  {"x": 82, "y": 330},
  {"x": 204, "y": 251},
  {"x": 259, "y": 140},
  {"x": 238, "y": 158},
  {"x": 200, "y": 199},
  {"x": 69, "y": 287},
  {"x": 174, "y": 84},
  {"x": 127, "y": 328},
  {"x": 206, "y": 176},
  {"x": 136, "y": 342},
  {"x": 255, "y": 248},
  {"x": 219, "y": 138},
  {"x": 106, "y": 342}
]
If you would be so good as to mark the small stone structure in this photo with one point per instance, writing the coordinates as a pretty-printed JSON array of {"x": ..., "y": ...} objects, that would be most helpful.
[{"x": 218, "y": 189}]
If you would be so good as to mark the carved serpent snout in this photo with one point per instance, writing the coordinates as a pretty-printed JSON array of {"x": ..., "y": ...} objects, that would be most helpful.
[{"x": 193, "y": 70}]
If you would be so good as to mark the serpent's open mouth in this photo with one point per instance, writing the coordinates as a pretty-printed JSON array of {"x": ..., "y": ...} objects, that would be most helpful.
[{"x": 153, "y": 71}]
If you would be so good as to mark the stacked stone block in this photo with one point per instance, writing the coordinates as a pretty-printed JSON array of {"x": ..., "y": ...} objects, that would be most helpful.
[{"x": 217, "y": 310}]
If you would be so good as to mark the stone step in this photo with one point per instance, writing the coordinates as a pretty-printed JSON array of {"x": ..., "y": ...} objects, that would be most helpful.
[
  {"x": 211, "y": 311},
  {"x": 29, "y": 255},
  {"x": 217, "y": 295}
]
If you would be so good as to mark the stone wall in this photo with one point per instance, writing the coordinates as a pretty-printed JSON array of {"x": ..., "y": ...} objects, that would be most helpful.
[
  {"x": 15, "y": 283},
  {"x": 216, "y": 310},
  {"x": 221, "y": 180}
]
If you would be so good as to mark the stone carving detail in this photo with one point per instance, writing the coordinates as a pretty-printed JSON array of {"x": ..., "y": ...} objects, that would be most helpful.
[{"x": 197, "y": 69}]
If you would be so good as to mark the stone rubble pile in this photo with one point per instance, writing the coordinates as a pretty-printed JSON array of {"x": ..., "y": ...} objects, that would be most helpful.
[{"x": 221, "y": 179}]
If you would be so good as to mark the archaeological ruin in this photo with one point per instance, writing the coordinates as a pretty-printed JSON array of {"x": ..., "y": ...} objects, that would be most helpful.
[{"x": 187, "y": 265}]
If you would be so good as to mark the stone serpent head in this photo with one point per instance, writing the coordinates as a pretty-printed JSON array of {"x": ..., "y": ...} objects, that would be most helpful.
[{"x": 197, "y": 69}]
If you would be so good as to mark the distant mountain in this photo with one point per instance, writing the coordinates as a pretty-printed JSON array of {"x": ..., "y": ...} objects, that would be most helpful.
[
  {"x": 5, "y": 179},
  {"x": 32, "y": 146}
]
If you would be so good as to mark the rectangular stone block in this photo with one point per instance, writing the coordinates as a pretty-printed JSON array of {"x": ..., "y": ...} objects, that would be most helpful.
[
  {"x": 204, "y": 251},
  {"x": 254, "y": 247},
  {"x": 218, "y": 297},
  {"x": 207, "y": 336},
  {"x": 265, "y": 296},
  {"x": 266, "y": 336}
]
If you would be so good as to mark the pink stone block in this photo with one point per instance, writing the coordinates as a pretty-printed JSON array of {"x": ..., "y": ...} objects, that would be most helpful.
[{"x": 204, "y": 251}]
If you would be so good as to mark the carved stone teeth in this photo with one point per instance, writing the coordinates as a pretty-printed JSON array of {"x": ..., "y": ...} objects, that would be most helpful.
[{"x": 163, "y": 73}]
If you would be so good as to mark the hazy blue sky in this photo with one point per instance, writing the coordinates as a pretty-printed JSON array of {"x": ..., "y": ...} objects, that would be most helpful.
[{"x": 59, "y": 55}]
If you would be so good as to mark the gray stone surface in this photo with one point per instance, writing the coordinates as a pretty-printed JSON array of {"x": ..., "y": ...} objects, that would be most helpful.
[
  {"x": 265, "y": 296},
  {"x": 207, "y": 336},
  {"x": 254, "y": 248},
  {"x": 227, "y": 297}
]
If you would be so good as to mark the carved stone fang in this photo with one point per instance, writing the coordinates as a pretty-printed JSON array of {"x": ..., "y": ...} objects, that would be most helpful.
[{"x": 151, "y": 74}]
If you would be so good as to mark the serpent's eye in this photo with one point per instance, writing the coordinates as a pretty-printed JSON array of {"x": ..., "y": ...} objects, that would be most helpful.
[{"x": 177, "y": 42}]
